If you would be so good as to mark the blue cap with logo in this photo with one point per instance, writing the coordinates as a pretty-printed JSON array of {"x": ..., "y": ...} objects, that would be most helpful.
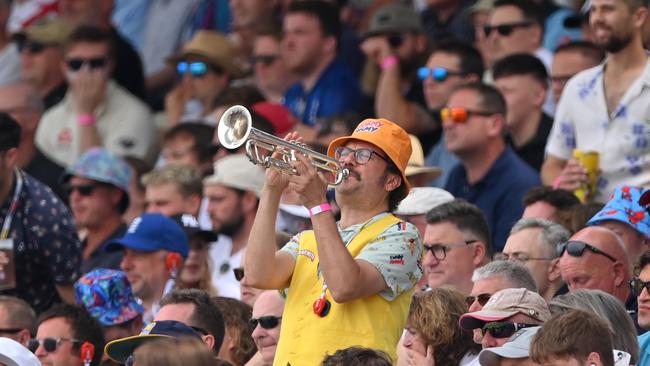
[
  {"x": 106, "y": 294},
  {"x": 624, "y": 206},
  {"x": 152, "y": 232}
]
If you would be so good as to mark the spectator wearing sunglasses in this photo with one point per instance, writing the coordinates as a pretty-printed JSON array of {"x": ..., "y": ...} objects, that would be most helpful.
[
  {"x": 641, "y": 287},
  {"x": 97, "y": 186},
  {"x": 395, "y": 46},
  {"x": 17, "y": 319},
  {"x": 271, "y": 73},
  {"x": 532, "y": 242},
  {"x": 450, "y": 65},
  {"x": 266, "y": 323},
  {"x": 9, "y": 59},
  {"x": 457, "y": 241},
  {"x": 62, "y": 330},
  {"x": 506, "y": 312},
  {"x": 595, "y": 258},
  {"x": 205, "y": 67},
  {"x": 490, "y": 174},
  {"x": 96, "y": 112},
  {"x": 44, "y": 250},
  {"x": 515, "y": 352},
  {"x": 41, "y": 55}
]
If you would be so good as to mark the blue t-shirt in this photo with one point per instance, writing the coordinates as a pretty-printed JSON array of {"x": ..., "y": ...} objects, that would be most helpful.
[
  {"x": 499, "y": 193},
  {"x": 644, "y": 349},
  {"x": 336, "y": 91}
]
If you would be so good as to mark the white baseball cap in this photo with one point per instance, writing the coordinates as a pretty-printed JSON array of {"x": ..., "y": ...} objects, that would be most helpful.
[
  {"x": 422, "y": 199},
  {"x": 13, "y": 353}
]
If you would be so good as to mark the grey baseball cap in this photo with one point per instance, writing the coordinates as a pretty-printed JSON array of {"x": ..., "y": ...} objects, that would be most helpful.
[{"x": 394, "y": 18}]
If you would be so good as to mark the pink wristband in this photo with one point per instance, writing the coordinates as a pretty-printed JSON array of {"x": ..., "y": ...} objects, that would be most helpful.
[
  {"x": 318, "y": 209},
  {"x": 86, "y": 119},
  {"x": 388, "y": 62},
  {"x": 557, "y": 181}
]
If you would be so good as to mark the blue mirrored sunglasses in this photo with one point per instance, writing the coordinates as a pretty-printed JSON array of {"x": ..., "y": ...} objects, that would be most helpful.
[
  {"x": 194, "y": 68},
  {"x": 437, "y": 73}
]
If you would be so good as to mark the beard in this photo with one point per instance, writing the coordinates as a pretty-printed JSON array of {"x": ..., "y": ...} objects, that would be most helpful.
[
  {"x": 615, "y": 42},
  {"x": 232, "y": 227}
]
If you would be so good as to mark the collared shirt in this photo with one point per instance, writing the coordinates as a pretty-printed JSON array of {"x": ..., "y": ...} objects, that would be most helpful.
[
  {"x": 101, "y": 258},
  {"x": 47, "y": 250},
  {"x": 395, "y": 254},
  {"x": 622, "y": 138},
  {"x": 499, "y": 193},
  {"x": 336, "y": 91},
  {"x": 532, "y": 152}
]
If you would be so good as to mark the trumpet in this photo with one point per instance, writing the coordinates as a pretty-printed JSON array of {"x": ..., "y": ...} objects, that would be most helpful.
[{"x": 235, "y": 129}]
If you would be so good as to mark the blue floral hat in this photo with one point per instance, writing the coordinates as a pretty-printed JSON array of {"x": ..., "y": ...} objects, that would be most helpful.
[
  {"x": 107, "y": 296},
  {"x": 624, "y": 206}
]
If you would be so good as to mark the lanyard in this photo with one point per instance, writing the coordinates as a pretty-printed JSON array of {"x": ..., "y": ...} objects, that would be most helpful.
[{"x": 4, "y": 234}]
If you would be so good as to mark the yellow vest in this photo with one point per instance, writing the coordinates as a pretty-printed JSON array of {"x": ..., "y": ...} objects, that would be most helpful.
[{"x": 373, "y": 322}]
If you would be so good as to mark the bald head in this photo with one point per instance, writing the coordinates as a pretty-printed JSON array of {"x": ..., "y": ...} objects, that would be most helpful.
[{"x": 586, "y": 263}]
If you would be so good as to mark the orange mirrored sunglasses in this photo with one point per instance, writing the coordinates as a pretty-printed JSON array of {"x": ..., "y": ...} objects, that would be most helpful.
[{"x": 460, "y": 114}]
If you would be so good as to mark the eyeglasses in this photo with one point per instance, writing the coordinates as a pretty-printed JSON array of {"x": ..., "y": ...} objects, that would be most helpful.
[
  {"x": 505, "y": 29},
  {"x": 361, "y": 156},
  {"x": 577, "y": 248},
  {"x": 265, "y": 60},
  {"x": 266, "y": 322},
  {"x": 75, "y": 64},
  {"x": 438, "y": 74},
  {"x": 503, "y": 329},
  {"x": 518, "y": 257},
  {"x": 196, "y": 69},
  {"x": 239, "y": 273},
  {"x": 395, "y": 40},
  {"x": 50, "y": 344},
  {"x": 460, "y": 114},
  {"x": 83, "y": 189},
  {"x": 482, "y": 299},
  {"x": 637, "y": 286},
  {"x": 31, "y": 47},
  {"x": 439, "y": 251}
]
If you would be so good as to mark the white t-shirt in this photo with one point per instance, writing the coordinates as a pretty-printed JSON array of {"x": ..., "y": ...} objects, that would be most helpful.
[{"x": 223, "y": 278}]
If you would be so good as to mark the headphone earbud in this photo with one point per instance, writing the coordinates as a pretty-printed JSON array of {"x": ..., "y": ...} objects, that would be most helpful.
[{"x": 87, "y": 353}]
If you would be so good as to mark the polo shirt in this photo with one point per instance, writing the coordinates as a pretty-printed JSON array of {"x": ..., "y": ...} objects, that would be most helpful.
[
  {"x": 498, "y": 194},
  {"x": 101, "y": 258},
  {"x": 622, "y": 138},
  {"x": 336, "y": 91}
]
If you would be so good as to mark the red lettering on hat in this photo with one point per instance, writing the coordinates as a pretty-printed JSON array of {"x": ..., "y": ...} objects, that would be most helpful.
[
  {"x": 370, "y": 125},
  {"x": 65, "y": 137}
]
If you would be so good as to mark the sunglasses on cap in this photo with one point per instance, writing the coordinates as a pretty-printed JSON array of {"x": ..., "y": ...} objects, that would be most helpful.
[
  {"x": 503, "y": 329},
  {"x": 239, "y": 273},
  {"x": 482, "y": 299},
  {"x": 439, "y": 251},
  {"x": 75, "y": 64},
  {"x": 637, "y": 286},
  {"x": 460, "y": 114},
  {"x": 577, "y": 248},
  {"x": 266, "y": 322},
  {"x": 505, "y": 29},
  {"x": 31, "y": 47},
  {"x": 50, "y": 344},
  {"x": 193, "y": 68},
  {"x": 438, "y": 74},
  {"x": 265, "y": 60},
  {"x": 83, "y": 189},
  {"x": 361, "y": 156}
]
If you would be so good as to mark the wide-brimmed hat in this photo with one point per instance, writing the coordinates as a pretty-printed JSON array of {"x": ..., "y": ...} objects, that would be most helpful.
[
  {"x": 505, "y": 304},
  {"x": 46, "y": 31},
  {"x": 215, "y": 48},
  {"x": 416, "y": 162},
  {"x": 387, "y": 136},
  {"x": 626, "y": 206}
]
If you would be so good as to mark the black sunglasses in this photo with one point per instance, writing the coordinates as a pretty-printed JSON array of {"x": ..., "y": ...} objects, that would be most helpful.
[
  {"x": 265, "y": 60},
  {"x": 50, "y": 344},
  {"x": 83, "y": 189},
  {"x": 637, "y": 286},
  {"x": 395, "y": 40},
  {"x": 266, "y": 322},
  {"x": 239, "y": 273},
  {"x": 31, "y": 47},
  {"x": 503, "y": 329},
  {"x": 505, "y": 29},
  {"x": 75, "y": 64},
  {"x": 577, "y": 248},
  {"x": 480, "y": 298}
]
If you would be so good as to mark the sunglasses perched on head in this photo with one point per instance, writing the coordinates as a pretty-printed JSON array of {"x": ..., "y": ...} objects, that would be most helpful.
[
  {"x": 577, "y": 248},
  {"x": 193, "y": 68},
  {"x": 266, "y": 322},
  {"x": 482, "y": 299},
  {"x": 50, "y": 344},
  {"x": 505, "y": 29},
  {"x": 637, "y": 286},
  {"x": 75, "y": 64},
  {"x": 438, "y": 74},
  {"x": 265, "y": 60},
  {"x": 460, "y": 114},
  {"x": 503, "y": 329}
]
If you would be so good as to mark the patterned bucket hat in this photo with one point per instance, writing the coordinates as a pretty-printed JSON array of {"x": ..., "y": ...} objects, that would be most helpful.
[
  {"x": 624, "y": 206},
  {"x": 107, "y": 296}
]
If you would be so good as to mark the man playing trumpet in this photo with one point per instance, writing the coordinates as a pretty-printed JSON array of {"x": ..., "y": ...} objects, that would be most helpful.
[{"x": 349, "y": 282}]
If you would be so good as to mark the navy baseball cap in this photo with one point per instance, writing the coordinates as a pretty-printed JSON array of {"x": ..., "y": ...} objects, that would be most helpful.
[{"x": 152, "y": 232}]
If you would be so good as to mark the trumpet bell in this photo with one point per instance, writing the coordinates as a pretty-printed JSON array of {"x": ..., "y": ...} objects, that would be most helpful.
[{"x": 234, "y": 127}]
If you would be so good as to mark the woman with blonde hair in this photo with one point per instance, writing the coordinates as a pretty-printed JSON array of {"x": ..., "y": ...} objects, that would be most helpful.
[
  {"x": 173, "y": 352},
  {"x": 432, "y": 335}
]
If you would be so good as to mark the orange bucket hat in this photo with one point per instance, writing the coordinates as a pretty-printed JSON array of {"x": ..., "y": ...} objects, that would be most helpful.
[{"x": 387, "y": 136}]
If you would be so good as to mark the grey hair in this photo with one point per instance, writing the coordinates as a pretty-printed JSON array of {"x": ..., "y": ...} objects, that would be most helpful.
[
  {"x": 608, "y": 308},
  {"x": 551, "y": 234},
  {"x": 516, "y": 274}
]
